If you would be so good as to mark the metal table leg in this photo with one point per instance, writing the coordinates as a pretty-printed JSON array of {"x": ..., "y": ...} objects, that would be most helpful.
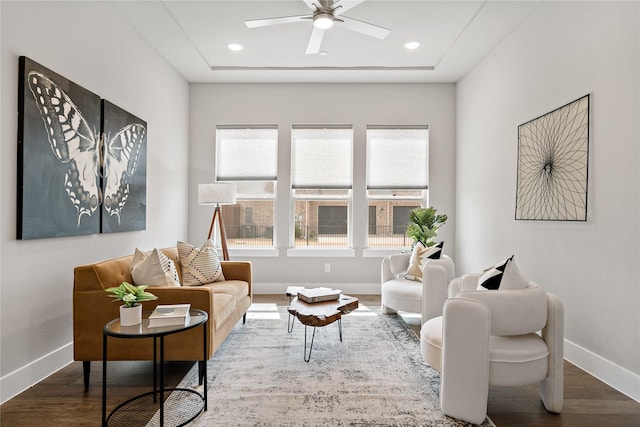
[
  {"x": 307, "y": 358},
  {"x": 104, "y": 380},
  {"x": 290, "y": 321}
]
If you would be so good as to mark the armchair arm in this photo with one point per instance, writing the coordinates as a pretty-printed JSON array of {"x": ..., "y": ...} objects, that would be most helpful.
[
  {"x": 551, "y": 388},
  {"x": 465, "y": 359},
  {"x": 469, "y": 282},
  {"x": 436, "y": 275},
  {"x": 394, "y": 265}
]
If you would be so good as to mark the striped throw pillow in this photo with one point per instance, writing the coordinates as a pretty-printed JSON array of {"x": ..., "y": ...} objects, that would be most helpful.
[
  {"x": 419, "y": 257},
  {"x": 153, "y": 269},
  {"x": 199, "y": 265}
]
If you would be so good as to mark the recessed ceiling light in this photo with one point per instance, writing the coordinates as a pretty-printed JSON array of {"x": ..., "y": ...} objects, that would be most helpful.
[
  {"x": 412, "y": 45},
  {"x": 236, "y": 47}
]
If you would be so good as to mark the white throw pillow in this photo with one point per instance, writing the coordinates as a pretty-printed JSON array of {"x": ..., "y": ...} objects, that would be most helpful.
[
  {"x": 153, "y": 269},
  {"x": 419, "y": 257},
  {"x": 414, "y": 263},
  {"x": 199, "y": 265},
  {"x": 513, "y": 278},
  {"x": 504, "y": 275}
]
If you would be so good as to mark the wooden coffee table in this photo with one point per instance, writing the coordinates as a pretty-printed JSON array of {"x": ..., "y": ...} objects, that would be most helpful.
[{"x": 321, "y": 314}]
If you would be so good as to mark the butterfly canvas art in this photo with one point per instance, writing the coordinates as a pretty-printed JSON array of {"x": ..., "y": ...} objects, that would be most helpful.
[
  {"x": 124, "y": 170},
  {"x": 81, "y": 160}
]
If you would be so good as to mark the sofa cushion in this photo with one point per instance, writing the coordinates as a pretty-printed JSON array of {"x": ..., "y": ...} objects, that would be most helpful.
[
  {"x": 223, "y": 307},
  {"x": 153, "y": 269},
  {"x": 504, "y": 275},
  {"x": 199, "y": 265},
  {"x": 419, "y": 256},
  {"x": 238, "y": 289}
]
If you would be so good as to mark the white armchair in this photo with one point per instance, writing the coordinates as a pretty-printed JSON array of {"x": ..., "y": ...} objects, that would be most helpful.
[
  {"x": 500, "y": 337},
  {"x": 425, "y": 297}
]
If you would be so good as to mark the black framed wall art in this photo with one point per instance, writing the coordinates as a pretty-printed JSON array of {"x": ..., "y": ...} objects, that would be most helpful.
[{"x": 553, "y": 160}]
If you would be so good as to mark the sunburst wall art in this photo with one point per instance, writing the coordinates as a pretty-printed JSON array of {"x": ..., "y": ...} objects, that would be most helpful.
[{"x": 553, "y": 160}]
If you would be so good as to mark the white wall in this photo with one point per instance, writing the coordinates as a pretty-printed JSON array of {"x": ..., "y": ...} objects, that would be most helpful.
[
  {"x": 562, "y": 51},
  {"x": 90, "y": 44},
  {"x": 357, "y": 104}
]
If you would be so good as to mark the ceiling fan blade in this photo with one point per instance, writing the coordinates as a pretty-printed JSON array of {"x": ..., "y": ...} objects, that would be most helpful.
[
  {"x": 364, "y": 28},
  {"x": 314, "y": 41},
  {"x": 343, "y": 5},
  {"x": 313, "y": 4},
  {"x": 255, "y": 23}
]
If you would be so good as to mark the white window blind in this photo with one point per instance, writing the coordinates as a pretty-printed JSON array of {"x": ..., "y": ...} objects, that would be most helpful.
[
  {"x": 321, "y": 157},
  {"x": 246, "y": 153},
  {"x": 397, "y": 157}
]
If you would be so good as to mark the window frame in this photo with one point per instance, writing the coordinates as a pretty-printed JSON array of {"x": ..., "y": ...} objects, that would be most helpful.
[
  {"x": 374, "y": 192},
  {"x": 266, "y": 177},
  {"x": 297, "y": 194}
]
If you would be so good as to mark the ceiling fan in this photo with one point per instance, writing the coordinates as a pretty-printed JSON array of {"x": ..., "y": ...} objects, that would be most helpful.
[{"x": 324, "y": 14}]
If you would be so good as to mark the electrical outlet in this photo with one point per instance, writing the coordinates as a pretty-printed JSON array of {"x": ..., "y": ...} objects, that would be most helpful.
[{"x": 327, "y": 268}]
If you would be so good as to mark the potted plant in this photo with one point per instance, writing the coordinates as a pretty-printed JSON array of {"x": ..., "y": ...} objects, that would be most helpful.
[
  {"x": 424, "y": 225},
  {"x": 131, "y": 296}
]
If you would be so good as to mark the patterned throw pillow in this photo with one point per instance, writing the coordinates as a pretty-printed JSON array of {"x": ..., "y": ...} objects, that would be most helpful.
[
  {"x": 419, "y": 257},
  {"x": 199, "y": 265},
  {"x": 504, "y": 275},
  {"x": 153, "y": 269}
]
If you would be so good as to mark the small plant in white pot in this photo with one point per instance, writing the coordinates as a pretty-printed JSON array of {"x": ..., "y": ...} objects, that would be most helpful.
[{"x": 131, "y": 296}]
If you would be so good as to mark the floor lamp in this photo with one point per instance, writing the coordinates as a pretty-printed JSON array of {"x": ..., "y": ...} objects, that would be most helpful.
[{"x": 218, "y": 194}]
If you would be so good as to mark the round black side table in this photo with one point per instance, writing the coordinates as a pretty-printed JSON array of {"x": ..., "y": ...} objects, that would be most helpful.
[{"x": 191, "y": 402}]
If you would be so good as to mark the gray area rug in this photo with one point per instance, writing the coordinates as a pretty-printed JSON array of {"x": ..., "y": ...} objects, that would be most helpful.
[{"x": 375, "y": 377}]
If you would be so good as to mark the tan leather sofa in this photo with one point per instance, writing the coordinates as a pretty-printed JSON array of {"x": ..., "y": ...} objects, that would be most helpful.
[{"x": 226, "y": 302}]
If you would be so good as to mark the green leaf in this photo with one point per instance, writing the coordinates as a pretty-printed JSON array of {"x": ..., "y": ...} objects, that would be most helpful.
[
  {"x": 424, "y": 225},
  {"x": 127, "y": 288}
]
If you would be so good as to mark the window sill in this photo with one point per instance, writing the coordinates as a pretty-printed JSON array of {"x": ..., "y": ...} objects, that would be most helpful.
[
  {"x": 254, "y": 252},
  {"x": 321, "y": 252},
  {"x": 383, "y": 252}
]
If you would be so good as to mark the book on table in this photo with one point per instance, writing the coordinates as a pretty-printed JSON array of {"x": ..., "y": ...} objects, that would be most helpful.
[
  {"x": 169, "y": 315},
  {"x": 320, "y": 294}
]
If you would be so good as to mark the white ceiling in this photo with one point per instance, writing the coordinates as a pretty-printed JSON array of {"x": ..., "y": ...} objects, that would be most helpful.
[{"x": 193, "y": 36}]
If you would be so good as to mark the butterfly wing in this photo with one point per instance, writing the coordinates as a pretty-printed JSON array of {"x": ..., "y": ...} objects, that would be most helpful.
[
  {"x": 120, "y": 163},
  {"x": 71, "y": 141}
]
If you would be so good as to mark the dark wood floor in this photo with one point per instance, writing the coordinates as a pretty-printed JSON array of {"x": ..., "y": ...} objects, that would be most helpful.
[{"x": 62, "y": 401}]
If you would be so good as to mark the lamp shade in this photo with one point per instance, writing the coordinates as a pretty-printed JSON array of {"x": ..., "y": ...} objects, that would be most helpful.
[{"x": 217, "y": 194}]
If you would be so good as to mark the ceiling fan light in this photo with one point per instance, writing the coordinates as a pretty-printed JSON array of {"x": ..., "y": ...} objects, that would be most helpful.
[{"x": 323, "y": 20}]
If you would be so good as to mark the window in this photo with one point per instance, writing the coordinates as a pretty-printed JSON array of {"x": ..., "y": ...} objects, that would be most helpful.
[
  {"x": 247, "y": 156},
  {"x": 321, "y": 180},
  {"x": 397, "y": 180}
]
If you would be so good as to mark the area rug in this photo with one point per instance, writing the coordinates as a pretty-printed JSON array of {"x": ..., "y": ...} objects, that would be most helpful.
[{"x": 375, "y": 377}]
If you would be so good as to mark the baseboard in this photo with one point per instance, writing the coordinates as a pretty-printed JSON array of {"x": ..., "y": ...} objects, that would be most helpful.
[
  {"x": 347, "y": 288},
  {"x": 616, "y": 376},
  {"x": 30, "y": 374}
]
